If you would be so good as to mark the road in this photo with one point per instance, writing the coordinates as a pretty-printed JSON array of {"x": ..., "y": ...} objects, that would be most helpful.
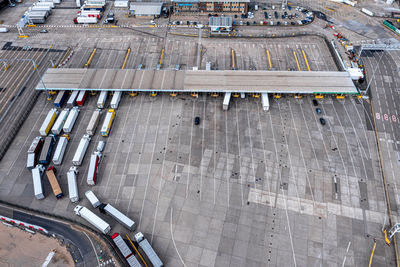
[{"x": 80, "y": 246}]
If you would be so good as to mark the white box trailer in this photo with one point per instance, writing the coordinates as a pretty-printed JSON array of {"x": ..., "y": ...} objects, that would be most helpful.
[
  {"x": 118, "y": 216},
  {"x": 265, "y": 101},
  {"x": 37, "y": 174},
  {"x": 90, "y": 13},
  {"x": 73, "y": 184},
  {"x": 148, "y": 250},
  {"x": 101, "y": 101},
  {"x": 81, "y": 150},
  {"x": 121, "y": 3},
  {"x": 94, "y": 121},
  {"x": 125, "y": 250},
  {"x": 50, "y": 4},
  {"x": 40, "y": 8},
  {"x": 70, "y": 122},
  {"x": 59, "y": 124},
  {"x": 48, "y": 122},
  {"x": 93, "y": 219},
  {"x": 93, "y": 167},
  {"x": 85, "y": 20},
  {"x": 60, "y": 149},
  {"x": 116, "y": 99},
  {"x": 227, "y": 99},
  {"x": 33, "y": 152},
  {"x": 72, "y": 99},
  {"x": 95, "y": 2},
  {"x": 92, "y": 198},
  {"x": 368, "y": 12}
]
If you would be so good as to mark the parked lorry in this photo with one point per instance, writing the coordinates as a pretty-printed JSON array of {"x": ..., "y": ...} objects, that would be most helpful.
[
  {"x": 125, "y": 250},
  {"x": 368, "y": 12},
  {"x": 105, "y": 129},
  {"x": 93, "y": 219},
  {"x": 101, "y": 101},
  {"x": 80, "y": 100},
  {"x": 94, "y": 121},
  {"x": 85, "y": 20},
  {"x": 70, "y": 122},
  {"x": 55, "y": 186},
  {"x": 93, "y": 167},
  {"x": 48, "y": 145},
  {"x": 90, "y": 13},
  {"x": 40, "y": 8},
  {"x": 96, "y": 2},
  {"x": 116, "y": 99},
  {"x": 60, "y": 98},
  {"x": 33, "y": 152},
  {"x": 37, "y": 174},
  {"x": 72, "y": 99},
  {"x": 148, "y": 250},
  {"x": 81, "y": 150},
  {"x": 118, "y": 216},
  {"x": 50, "y": 4},
  {"x": 60, "y": 149},
  {"x": 48, "y": 122},
  {"x": 59, "y": 124},
  {"x": 92, "y": 198},
  {"x": 73, "y": 184}
]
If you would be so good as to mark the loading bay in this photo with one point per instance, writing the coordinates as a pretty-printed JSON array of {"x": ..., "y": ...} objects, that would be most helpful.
[{"x": 243, "y": 188}]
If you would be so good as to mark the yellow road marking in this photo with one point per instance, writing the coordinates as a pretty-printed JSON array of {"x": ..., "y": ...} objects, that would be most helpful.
[
  {"x": 297, "y": 62},
  {"x": 305, "y": 59}
]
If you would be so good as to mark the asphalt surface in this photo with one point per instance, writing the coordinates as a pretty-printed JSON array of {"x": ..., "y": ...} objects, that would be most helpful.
[{"x": 79, "y": 245}]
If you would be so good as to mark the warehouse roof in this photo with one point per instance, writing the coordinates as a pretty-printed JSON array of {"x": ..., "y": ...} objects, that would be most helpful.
[
  {"x": 146, "y": 8},
  {"x": 325, "y": 82}
]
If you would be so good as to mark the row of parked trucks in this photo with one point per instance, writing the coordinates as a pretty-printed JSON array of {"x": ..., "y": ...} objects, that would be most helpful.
[
  {"x": 40, "y": 11},
  {"x": 125, "y": 221},
  {"x": 78, "y": 98}
]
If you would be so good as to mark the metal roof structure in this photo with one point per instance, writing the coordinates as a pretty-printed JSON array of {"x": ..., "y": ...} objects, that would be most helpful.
[
  {"x": 302, "y": 82},
  {"x": 220, "y": 22},
  {"x": 146, "y": 8}
]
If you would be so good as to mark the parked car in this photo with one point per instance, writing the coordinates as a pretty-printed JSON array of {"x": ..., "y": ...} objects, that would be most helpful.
[
  {"x": 197, "y": 121},
  {"x": 322, "y": 120},
  {"x": 315, "y": 102},
  {"x": 318, "y": 110}
]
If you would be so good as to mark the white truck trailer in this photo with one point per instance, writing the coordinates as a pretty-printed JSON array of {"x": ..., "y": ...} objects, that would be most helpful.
[
  {"x": 73, "y": 184},
  {"x": 93, "y": 219},
  {"x": 116, "y": 99},
  {"x": 125, "y": 250},
  {"x": 37, "y": 174},
  {"x": 59, "y": 124},
  {"x": 33, "y": 152},
  {"x": 60, "y": 149},
  {"x": 94, "y": 121},
  {"x": 93, "y": 167},
  {"x": 118, "y": 216},
  {"x": 72, "y": 99},
  {"x": 92, "y": 198},
  {"x": 85, "y": 20},
  {"x": 148, "y": 250},
  {"x": 81, "y": 150},
  {"x": 70, "y": 122},
  {"x": 101, "y": 101}
]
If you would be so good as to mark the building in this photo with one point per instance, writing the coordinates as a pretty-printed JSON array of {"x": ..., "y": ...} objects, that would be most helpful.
[
  {"x": 146, "y": 9},
  {"x": 220, "y": 25},
  {"x": 211, "y": 6}
]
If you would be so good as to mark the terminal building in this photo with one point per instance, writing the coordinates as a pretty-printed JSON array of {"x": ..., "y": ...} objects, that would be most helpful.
[
  {"x": 146, "y": 9},
  {"x": 211, "y": 6}
]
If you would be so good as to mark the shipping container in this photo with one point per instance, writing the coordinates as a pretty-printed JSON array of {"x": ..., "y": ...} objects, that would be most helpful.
[
  {"x": 102, "y": 99},
  {"x": 81, "y": 150},
  {"x": 80, "y": 100},
  {"x": 94, "y": 121},
  {"x": 60, "y": 149},
  {"x": 93, "y": 167},
  {"x": 125, "y": 250},
  {"x": 55, "y": 186},
  {"x": 73, "y": 184},
  {"x": 59, "y": 124},
  {"x": 93, "y": 219},
  {"x": 37, "y": 174},
  {"x": 105, "y": 129},
  {"x": 72, "y": 99},
  {"x": 48, "y": 145},
  {"x": 118, "y": 216},
  {"x": 70, "y": 122},
  {"x": 33, "y": 152},
  {"x": 116, "y": 99},
  {"x": 148, "y": 250},
  {"x": 60, "y": 98},
  {"x": 92, "y": 198},
  {"x": 48, "y": 122}
]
